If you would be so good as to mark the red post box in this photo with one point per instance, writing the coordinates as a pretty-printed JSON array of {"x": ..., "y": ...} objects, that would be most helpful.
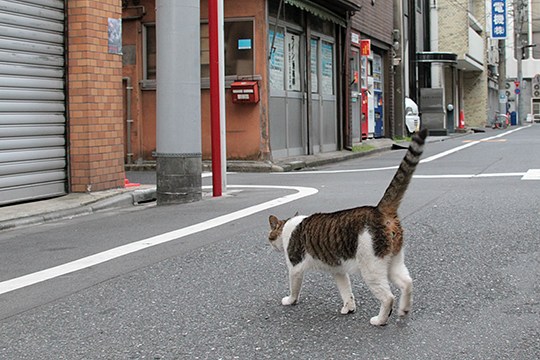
[{"x": 245, "y": 92}]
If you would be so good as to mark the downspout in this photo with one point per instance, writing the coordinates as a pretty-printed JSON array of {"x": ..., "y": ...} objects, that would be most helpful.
[
  {"x": 141, "y": 11},
  {"x": 129, "y": 120},
  {"x": 345, "y": 89}
]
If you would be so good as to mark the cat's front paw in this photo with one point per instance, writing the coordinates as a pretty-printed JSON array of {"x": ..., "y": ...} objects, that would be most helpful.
[
  {"x": 288, "y": 300},
  {"x": 348, "y": 308}
]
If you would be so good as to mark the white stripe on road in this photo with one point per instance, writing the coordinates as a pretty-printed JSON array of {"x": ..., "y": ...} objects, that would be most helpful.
[
  {"x": 428, "y": 159},
  {"x": 468, "y": 176},
  {"x": 472, "y": 143},
  {"x": 92, "y": 260}
]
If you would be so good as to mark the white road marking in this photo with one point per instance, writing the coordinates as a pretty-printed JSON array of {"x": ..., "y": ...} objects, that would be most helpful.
[
  {"x": 92, "y": 260},
  {"x": 532, "y": 174},
  {"x": 428, "y": 159},
  {"x": 472, "y": 143},
  {"x": 468, "y": 176}
]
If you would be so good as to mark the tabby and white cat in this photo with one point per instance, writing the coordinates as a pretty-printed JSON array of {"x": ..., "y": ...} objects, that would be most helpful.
[{"x": 368, "y": 238}]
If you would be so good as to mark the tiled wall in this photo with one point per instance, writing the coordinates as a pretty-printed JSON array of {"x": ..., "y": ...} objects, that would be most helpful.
[{"x": 95, "y": 98}]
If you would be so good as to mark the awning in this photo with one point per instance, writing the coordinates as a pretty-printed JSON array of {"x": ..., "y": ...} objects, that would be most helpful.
[{"x": 323, "y": 12}]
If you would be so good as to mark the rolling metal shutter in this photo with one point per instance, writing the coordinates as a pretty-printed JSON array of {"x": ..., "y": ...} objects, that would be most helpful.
[{"x": 32, "y": 100}]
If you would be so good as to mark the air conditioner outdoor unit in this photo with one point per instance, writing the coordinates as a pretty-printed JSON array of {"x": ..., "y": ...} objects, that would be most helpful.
[{"x": 510, "y": 90}]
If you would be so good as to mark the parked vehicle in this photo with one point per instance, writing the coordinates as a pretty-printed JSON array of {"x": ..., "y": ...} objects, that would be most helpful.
[{"x": 412, "y": 116}]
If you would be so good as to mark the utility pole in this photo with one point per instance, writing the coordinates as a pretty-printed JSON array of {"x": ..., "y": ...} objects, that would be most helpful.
[
  {"x": 178, "y": 127},
  {"x": 399, "y": 61},
  {"x": 521, "y": 45}
]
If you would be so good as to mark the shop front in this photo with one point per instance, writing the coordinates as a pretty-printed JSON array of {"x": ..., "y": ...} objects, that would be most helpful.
[
  {"x": 367, "y": 88},
  {"x": 306, "y": 92},
  {"x": 32, "y": 116}
]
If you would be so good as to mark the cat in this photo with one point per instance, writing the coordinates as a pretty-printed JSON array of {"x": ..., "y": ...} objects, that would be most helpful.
[{"x": 368, "y": 238}]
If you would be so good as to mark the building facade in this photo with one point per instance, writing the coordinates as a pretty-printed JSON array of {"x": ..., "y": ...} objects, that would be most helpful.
[
  {"x": 464, "y": 85},
  {"x": 371, "y": 57},
  {"x": 272, "y": 44}
]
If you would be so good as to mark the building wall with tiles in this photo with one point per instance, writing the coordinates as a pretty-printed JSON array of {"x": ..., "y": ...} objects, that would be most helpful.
[
  {"x": 453, "y": 21},
  {"x": 95, "y": 97}
]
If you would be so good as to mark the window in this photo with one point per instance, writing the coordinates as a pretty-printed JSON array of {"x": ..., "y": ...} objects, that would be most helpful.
[
  {"x": 277, "y": 59},
  {"x": 238, "y": 48},
  {"x": 149, "y": 52},
  {"x": 314, "y": 66},
  {"x": 327, "y": 64}
]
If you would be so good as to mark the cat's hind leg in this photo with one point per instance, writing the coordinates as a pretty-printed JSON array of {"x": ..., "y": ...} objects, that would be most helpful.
[
  {"x": 376, "y": 278},
  {"x": 399, "y": 275},
  {"x": 344, "y": 286},
  {"x": 295, "y": 282}
]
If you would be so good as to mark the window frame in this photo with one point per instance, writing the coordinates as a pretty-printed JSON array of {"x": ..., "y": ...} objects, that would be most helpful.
[{"x": 146, "y": 82}]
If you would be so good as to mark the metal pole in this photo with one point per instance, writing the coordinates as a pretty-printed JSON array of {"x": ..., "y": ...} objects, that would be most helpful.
[
  {"x": 217, "y": 96},
  {"x": 178, "y": 127},
  {"x": 399, "y": 68},
  {"x": 519, "y": 110}
]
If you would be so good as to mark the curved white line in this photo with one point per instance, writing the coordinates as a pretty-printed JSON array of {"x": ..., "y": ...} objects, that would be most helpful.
[{"x": 92, "y": 260}]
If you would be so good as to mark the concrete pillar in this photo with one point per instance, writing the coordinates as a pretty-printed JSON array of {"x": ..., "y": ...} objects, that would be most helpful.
[{"x": 178, "y": 128}]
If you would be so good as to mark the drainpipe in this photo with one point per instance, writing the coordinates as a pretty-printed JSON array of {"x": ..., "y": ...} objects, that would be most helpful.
[{"x": 129, "y": 120}]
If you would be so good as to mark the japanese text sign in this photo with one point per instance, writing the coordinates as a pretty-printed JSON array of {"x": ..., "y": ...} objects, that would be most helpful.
[
  {"x": 365, "y": 47},
  {"x": 498, "y": 19}
]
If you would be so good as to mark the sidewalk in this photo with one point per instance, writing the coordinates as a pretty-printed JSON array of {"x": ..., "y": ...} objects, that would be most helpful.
[{"x": 78, "y": 204}]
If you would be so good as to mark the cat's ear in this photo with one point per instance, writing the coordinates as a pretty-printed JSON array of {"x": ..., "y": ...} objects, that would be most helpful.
[{"x": 274, "y": 221}]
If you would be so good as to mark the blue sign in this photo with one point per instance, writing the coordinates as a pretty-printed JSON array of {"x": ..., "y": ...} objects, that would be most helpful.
[
  {"x": 498, "y": 19},
  {"x": 244, "y": 44}
]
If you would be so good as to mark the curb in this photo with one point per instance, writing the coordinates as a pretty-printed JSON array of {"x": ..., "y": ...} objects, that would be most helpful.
[{"x": 123, "y": 199}]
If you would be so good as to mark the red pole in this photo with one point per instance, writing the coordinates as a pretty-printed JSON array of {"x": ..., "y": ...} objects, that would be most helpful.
[{"x": 213, "y": 17}]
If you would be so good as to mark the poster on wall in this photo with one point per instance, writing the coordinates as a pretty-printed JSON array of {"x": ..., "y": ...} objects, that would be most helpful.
[
  {"x": 277, "y": 63},
  {"x": 314, "y": 67},
  {"x": 293, "y": 62},
  {"x": 327, "y": 61},
  {"x": 115, "y": 36}
]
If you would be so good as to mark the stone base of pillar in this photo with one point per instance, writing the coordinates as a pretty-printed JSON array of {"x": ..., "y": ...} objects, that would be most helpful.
[{"x": 178, "y": 178}]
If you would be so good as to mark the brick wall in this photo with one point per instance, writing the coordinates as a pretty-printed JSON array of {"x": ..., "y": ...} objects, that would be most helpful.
[{"x": 95, "y": 98}]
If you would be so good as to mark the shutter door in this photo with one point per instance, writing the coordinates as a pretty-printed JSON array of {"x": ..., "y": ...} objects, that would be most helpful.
[{"x": 32, "y": 100}]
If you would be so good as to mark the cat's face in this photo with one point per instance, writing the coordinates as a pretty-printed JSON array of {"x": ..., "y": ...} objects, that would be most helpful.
[{"x": 276, "y": 232}]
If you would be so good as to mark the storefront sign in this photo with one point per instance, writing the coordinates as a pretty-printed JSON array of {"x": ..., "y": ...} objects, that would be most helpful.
[
  {"x": 293, "y": 61},
  {"x": 498, "y": 19},
  {"x": 365, "y": 47}
]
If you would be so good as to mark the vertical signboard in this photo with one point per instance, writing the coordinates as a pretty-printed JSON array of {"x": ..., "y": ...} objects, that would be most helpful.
[
  {"x": 498, "y": 19},
  {"x": 365, "y": 47}
]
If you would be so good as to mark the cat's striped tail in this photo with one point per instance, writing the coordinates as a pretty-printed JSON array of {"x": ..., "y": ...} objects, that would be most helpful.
[{"x": 395, "y": 191}]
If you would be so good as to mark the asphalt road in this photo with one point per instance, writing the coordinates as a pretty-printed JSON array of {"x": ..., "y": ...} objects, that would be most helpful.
[{"x": 213, "y": 291}]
